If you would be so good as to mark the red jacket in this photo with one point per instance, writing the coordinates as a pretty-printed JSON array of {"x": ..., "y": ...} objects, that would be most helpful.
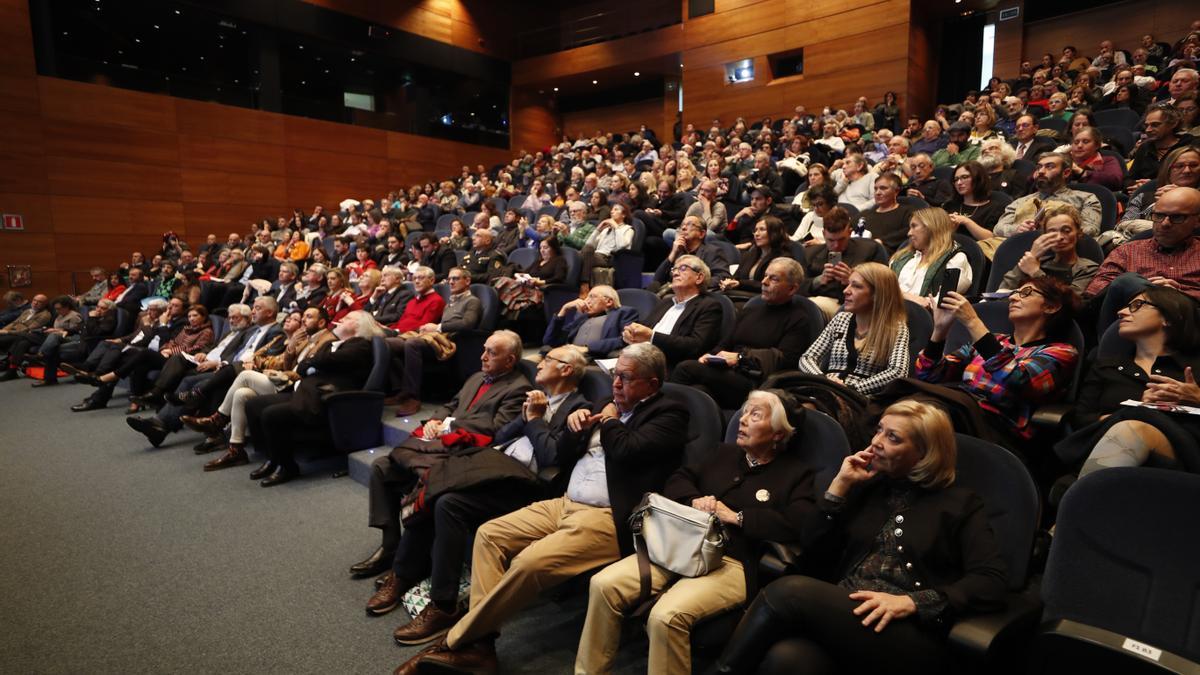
[{"x": 420, "y": 311}]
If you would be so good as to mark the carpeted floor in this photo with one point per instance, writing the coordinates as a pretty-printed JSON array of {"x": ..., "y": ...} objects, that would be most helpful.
[{"x": 119, "y": 558}]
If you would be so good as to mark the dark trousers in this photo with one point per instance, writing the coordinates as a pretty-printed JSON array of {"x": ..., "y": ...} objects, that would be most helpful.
[
  {"x": 15, "y": 345},
  {"x": 800, "y": 626},
  {"x": 136, "y": 364},
  {"x": 170, "y": 413},
  {"x": 440, "y": 545},
  {"x": 173, "y": 371},
  {"x": 103, "y": 357},
  {"x": 408, "y": 365},
  {"x": 55, "y": 349},
  {"x": 389, "y": 481},
  {"x": 725, "y": 385},
  {"x": 277, "y": 427}
]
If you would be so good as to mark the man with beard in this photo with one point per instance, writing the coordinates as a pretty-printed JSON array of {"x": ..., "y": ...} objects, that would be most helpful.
[{"x": 1050, "y": 181}]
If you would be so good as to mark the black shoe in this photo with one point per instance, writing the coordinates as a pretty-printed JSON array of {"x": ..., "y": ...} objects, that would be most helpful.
[
  {"x": 263, "y": 471},
  {"x": 209, "y": 445},
  {"x": 280, "y": 475},
  {"x": 377, "y": 563},
  {"x": 88, "y": 378},
  {"x": 148, "y": 400},
  {"x": 153, "y": 429},
  {"x": 184, "y": 399},
  {"x": 87, "y": 405},
  {"x": 44, "y": 383}
]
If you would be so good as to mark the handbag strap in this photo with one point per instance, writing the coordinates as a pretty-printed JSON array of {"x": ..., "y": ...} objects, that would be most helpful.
[{"x": 644, "y": 602}]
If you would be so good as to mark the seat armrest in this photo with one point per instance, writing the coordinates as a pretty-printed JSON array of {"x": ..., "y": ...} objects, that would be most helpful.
[
  {"x": 548, "y": 474},
  {"x": 1124, "y": 654},
  {"x": 982, "y": 635},
  {"x": 779, "y": 560},
  {"x": 1052, "y": 415}
]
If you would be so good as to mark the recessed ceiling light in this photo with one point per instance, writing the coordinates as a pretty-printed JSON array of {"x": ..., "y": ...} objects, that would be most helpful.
[
  {"x": 138, "y": 40},
  {"x": 156, "y": 27},
  {"x": 636, "y": 74},
  {"x": 303, "y": 82},
  {"x": 301, "y": 46},
  {"x": 351, "y": 59},
  {"x": 178, "y": 12},
  {"x": 327, "y": 70},
  {"x": 595, "y": 82},
  {"x": 556, "y": 89}
]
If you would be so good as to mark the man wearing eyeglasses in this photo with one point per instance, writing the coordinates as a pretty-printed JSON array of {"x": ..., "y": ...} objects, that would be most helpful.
[
  {"x": 1169, "y": 258},
  {"x": 1026, "y": 141},
  {"x": 689, "y": 324},
  {"x": 689, "y": 240},
  {"x": 610, "y": 457}
]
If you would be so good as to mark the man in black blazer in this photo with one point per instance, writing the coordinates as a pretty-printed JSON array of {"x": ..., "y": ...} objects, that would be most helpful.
[
  {"x": 135, "y": 291},
  {"x": 483, "y": 485},
  {"x": 390, "y": 297},
  {"x": 1026, "y": 141},
  {"x": 280, "y": 422},
  {"x": 283, "y": 289},
  {"x": 490, "y": 399},
  {"x": 609, "y": 459},
  {"x": 687, "y": 326}
]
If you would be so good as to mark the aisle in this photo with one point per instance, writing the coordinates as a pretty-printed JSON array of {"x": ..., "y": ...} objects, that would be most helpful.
[{"x": 120, "y": 558}]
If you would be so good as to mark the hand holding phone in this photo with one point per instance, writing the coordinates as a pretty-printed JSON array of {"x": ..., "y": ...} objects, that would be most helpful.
[{"x": 949, "y": 283}]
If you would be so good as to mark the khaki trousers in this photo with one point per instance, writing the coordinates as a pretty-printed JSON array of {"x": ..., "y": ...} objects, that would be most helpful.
[
  {"x": 828, "y": 306},
  {"x": 527, "y": 551},
  {"x": 614, "y": 590}
]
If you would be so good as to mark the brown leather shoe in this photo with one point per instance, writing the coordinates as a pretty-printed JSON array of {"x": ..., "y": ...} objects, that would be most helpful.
[
  {"x": 235, "y": 455},
  {"x": 430, "y": 624},
  {"x": 408, "y": 407},
  {"x": 387, "y": 597},
  {"x": 409, "y": 667},
  {"x": 477, "y": 657},
  {"x": 211, "y": 425}
]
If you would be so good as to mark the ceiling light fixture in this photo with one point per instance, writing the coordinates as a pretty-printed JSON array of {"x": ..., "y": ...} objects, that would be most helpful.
[
  {"x": 636, "y": 74},
  {"x": 595, "y": 82}
]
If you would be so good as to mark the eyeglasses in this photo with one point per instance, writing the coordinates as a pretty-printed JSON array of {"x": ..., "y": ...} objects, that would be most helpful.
[
  {"x": 962, "y": 179},
  {"x": 1173, "y": 218},
  {"x": 551, "y": 358},
  {"x": 1135, "y": 305},
  {"x": 684, "y": 266},
  {"x": 626, "y": 378},
  {"x": 1025, "y": 292}
]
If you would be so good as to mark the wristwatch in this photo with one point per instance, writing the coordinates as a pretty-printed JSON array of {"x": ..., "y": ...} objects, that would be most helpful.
[{"x": 739, "y": 517}]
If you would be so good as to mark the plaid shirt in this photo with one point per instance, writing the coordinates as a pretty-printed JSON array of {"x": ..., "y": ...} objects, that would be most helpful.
[
  {"x": 1147, "y": 258},
  {"x": 1005, "y": 378},
  {"x": 834, "y": 348}
]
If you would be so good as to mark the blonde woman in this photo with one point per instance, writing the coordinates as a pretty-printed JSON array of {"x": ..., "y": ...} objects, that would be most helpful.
[
  {"x": 931, "y": 250},
  {"x": 865, "y": 346}
]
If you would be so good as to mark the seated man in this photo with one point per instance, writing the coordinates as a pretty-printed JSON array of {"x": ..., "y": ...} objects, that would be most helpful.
[
  {"x": 1050, "y": 179},
  {"x": 29, "y": 330},
  {"x": 100, "y": 322},
  {"x": 490, "y": 399},
  {"x": 136, "y": 290},
  {"x": 690, "y": 324},
  {"x": 593, "y": 324},
  {"x": 438, "y": 543},
  {"x": 484, "y": 260},
  {"x": 250, "y": 329},
  {"x": 768, "y": 337},
  {"x": 14, "y": 305},
  {"x": 609, "y": 459},
  {"x": 283, "y": 289},
  {"x": 418, "y": 341},
  {"x": 1169, "y": 258},
  {"x": 431, "y": 253},
  {"x": 280, "y": 422},
  {"x": 887, "y": 221},
  {"x": 828, "y": 265},
  {"x": 390, "y": 297},
  {"x": 923, "y": 184},
  {"x": 960, "y": 148},
  {"x": 689, "y": 240}
]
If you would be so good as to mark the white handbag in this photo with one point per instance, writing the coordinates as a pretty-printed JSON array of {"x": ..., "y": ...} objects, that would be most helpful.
[{"x": 676, "y": 537}]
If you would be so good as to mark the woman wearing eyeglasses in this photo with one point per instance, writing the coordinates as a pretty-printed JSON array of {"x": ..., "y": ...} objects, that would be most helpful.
[
  {"x": 972, "y": 208},
  {"x": 1009, "y": 375},
  {"x": 1181, "y": 168},
  {"x": 1054, "y": 252},
  {"x": 1160, "y": 323}
]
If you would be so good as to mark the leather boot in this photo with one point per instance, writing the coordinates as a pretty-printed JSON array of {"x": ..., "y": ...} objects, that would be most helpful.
[{"x": 754, "y": 635}]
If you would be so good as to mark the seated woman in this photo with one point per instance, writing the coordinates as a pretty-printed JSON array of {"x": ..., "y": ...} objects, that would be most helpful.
[
  {"x": 1088, "y": 165},
  {"x": 820, "y": 198},
  {"x": 367, "y": 283},
  {"x": 339, "y": 301},
  {"x": 1161, "y": 324},
  {"x": 893, "y": 583},
  {"x": 306, "y": 334},
  {"x": 1180, "y": 168},
  {"x": 524, "y": 289},
  {"x": 864, "y": 346},
  {"x": 612, "y": 235},
  {"x": 115, "y": 287},
  {"x": 972, "y": 209},
  {"x": 294, "y": 249},
  {"x": 362, "y": 263},
  {"x": 458, "y": 239},
  {"x": 1054, "y": 252},
  {"x": 931, "y": 250},
  {"x": 1009, "y": 375},
  {"x": 136, "y": 364},
  {"x": 598, "y": 207},
  {"x": 770, "y": 242},
  {"x": 760, "y": 490}
]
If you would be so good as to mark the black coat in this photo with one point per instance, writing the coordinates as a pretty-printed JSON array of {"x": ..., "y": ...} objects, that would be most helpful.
[
  {"x": 388, "y": 306},
  {"x": 947, "y": 538},
  {"x": 786, "y": 483},
  {"x": 346, "y": 369},
  {"x": 499, "y": 404},
  {"x": 696, "y": 332},
  {"x": 638, "y": 456}
]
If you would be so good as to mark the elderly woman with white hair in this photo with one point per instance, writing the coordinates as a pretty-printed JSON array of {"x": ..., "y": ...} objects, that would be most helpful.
[
  {"x": 760, "y": 489},
  {"x": 280, "y": 422}
]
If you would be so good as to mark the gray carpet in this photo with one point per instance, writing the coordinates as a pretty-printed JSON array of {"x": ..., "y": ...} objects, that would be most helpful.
[{"x": 119, "y": 558}]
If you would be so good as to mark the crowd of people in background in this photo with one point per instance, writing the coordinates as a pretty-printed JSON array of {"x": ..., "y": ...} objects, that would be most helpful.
[{"x": 1074, "y": 186}]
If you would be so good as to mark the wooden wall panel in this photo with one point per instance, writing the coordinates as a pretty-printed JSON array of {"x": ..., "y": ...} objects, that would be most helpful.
[
  {"x": 203, "y": 185},
  {"x": 106, "y": 142},
  {"x": 457, "y": 22},
  {"x": 623, "y": 117},
  {"x": 228, "y": 154},
  {"x": 201, "y": 219},
  {"x": 300, "y": 132},
  {"x": 1123, "y": 23},
  {"x": 222, "y": 121},
  {"x": 92, "y": 104},
  {"x": 98, "y": 178},
  {"x": 82, "y": 215}
]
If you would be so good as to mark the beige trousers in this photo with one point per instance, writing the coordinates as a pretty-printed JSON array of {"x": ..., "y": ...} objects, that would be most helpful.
[
  {"x": 527, "y": 551},
  {"x": 614, "y": 590},
  {"x": 247, "y": 385},
  {"x": 828, "y": 306}
]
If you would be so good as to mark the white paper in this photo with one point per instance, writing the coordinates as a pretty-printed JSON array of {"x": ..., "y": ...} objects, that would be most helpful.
[
  {"x": 607, "y": 365},
  {"x": 1165, "y": 407}
]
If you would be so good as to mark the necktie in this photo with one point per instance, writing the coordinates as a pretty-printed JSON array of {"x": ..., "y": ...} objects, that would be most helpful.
[{"x": 487, "y": 384}]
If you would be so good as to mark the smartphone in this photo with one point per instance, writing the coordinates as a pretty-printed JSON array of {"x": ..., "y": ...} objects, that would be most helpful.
[
  {"x": 835, "y": 257},
  {"x": 949, "y": 282}
]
